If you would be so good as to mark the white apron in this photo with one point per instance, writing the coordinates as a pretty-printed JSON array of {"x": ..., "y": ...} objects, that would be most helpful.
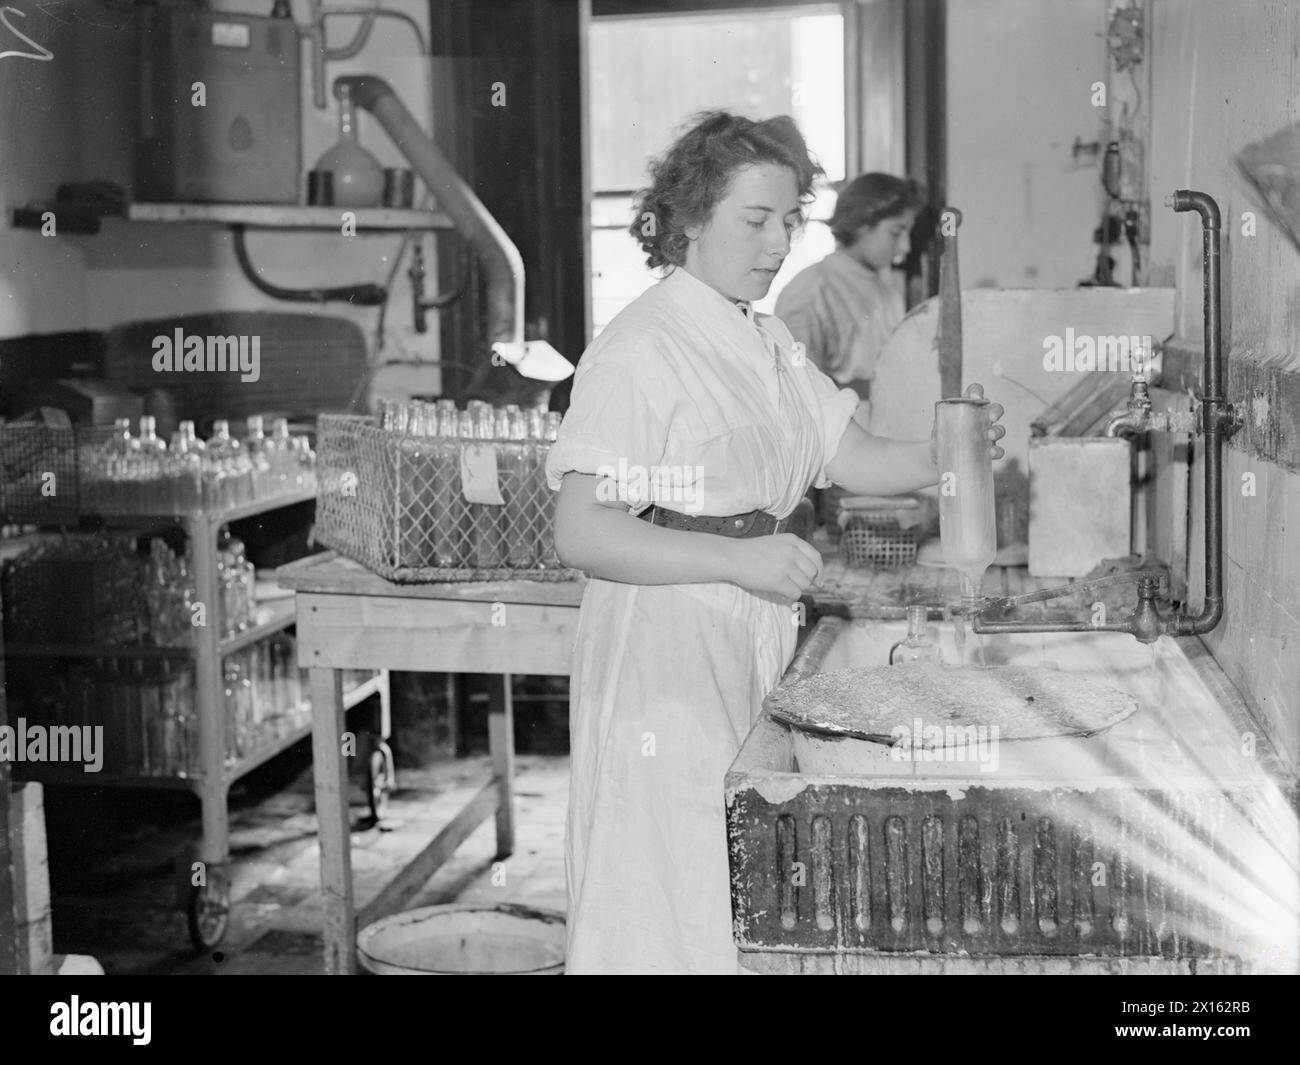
[{"x": 667, "y": 680}]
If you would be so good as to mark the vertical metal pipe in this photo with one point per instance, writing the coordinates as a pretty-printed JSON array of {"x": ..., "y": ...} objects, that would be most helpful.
[{"x": 1211, "y": 409}]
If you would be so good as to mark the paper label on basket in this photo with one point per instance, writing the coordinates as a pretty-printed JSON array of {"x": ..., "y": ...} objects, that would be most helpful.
[{"x": 478, "y": 474}]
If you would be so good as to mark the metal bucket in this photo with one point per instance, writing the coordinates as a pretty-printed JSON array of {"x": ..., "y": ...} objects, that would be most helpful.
[{"x": 461, "y": 940}]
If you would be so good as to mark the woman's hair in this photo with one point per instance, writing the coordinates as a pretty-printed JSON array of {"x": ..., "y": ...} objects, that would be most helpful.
[
  {"x": 689, "y": 179},
  {"x": 871, "y": 198}
]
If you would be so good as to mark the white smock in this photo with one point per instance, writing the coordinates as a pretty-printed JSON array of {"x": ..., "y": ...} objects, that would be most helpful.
[
  {"x": 668, "y": 679},
  {"x": 843, "y": 311}
]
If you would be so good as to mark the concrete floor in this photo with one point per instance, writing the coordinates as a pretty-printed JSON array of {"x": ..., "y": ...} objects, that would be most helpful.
[{"x": 121, "y": 905}]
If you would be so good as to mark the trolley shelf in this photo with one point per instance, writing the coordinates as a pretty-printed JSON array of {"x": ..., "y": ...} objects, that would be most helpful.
[
  {"x": 211, "y": 777},
  {"x": 214, "y": 517},
  {"x": 282, "y": 615},
  {"x": 75, "y": 776},
  {"x": 246, "y": 765},
  {"x": 90, "y": 650}
]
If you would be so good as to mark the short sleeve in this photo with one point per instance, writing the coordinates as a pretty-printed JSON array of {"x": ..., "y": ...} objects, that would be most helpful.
[
  {"x": 617, "y": 419},
  {"x": 837, "y": 407}
]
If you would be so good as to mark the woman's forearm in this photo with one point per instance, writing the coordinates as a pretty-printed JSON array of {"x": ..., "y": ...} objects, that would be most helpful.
[
  {"x": 876, "y": 465},
  {"x": 610, "y": 543}
]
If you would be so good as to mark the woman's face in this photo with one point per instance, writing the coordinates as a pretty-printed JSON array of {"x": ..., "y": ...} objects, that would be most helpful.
[
  {"x": 885, "y": 244},
  {"x": 741, "y": 247}
]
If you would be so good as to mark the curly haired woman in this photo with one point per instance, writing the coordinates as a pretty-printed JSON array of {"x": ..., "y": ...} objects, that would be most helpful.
[{"x": 695, "y": 427}]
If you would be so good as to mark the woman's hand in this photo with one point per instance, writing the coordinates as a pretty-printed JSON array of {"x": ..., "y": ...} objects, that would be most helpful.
[
  {"x": 783, "y": 565},
  {"x": 996, "y": 432}
]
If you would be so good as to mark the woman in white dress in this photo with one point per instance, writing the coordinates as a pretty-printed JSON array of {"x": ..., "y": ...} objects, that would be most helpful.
[{"x": 691, "y": 406}]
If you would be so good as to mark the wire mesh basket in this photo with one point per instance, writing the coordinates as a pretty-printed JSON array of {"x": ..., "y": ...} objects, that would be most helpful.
[
  {"x": 878, "y": 534},
  {"x": 83, "y": 590},
  {"x": 396, "y": 503},
  {"x": 38, "y": 473}
]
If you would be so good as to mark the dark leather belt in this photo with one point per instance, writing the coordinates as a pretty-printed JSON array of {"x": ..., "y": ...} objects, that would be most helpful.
[{"x": 754, "y": 523}]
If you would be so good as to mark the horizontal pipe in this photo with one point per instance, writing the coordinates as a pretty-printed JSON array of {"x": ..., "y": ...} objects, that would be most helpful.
[
  {"x": 503, "y": 266},
  {"x": 993, "y": 628}
]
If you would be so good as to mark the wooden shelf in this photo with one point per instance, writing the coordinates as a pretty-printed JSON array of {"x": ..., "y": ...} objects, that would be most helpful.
[
  {"x": 352, "y": 697},
  {"x": 287, "y": 216},
  {"x": 281, "y": 617}
]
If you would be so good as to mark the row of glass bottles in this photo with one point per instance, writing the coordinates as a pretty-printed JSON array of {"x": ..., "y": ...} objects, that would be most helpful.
[
  {"x": 264, "y": 696},
  {"x": 141, "y": 474},
  {"x": 437, "y": 525},
  {"x": 169, "y": 596}
]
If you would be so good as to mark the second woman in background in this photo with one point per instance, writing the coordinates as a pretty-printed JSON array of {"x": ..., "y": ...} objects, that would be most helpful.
[{"x": 844, "y": 307}]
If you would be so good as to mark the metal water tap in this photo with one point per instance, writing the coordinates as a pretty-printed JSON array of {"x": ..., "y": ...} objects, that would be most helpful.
[
  {"x": 1146, "y": 623},
  {"x": 1135, "y": 417},
  {"x": 1138, "y": 417}
]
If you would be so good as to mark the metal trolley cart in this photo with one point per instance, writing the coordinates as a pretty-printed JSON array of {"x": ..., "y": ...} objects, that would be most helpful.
[{"x": 207, "y": 771}]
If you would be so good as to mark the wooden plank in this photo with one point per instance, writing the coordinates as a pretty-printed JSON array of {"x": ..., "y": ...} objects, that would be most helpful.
[
  {"x": 439, "y": 636},
  {"x": 330, "y": 772},
  {"x": 333, "y": 573},
  {"x": 8, "y": 954},
  {"x": 33, "y": 928},
  {"x": 501, "y": 742},
  {"x": 406, "y": 885}
]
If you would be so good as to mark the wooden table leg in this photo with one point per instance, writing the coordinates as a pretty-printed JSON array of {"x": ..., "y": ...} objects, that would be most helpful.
[
  {"x": 330, "y": 770},
  {"x": 501, "y": 742}
]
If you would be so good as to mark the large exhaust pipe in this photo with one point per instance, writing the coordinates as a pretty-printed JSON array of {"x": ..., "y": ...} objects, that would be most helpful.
[{"x": 500, "y": 260}]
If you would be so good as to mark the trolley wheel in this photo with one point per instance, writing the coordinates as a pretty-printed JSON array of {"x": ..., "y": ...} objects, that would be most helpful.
[
  {"x": 208, "y": 912},
  {"x": 379, "y": 780}
]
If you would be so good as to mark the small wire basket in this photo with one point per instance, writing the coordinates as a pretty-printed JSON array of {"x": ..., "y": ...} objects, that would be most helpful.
[
  {"x": 878, "y": 533},
  {"x": 396, "y": 503}
]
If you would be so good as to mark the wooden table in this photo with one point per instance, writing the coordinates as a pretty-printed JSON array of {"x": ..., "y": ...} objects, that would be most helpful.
[{"x": 348, "y": 618}]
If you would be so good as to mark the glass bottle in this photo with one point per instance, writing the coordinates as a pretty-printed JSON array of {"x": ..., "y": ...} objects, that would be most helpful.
[
  {"x": 186, "y": 473},
  {"x": 550, "y": 432},
  {"x": 228, "y": 472},
  {"x": 108, "y": 465},
  {"x": 518, "y": 488},
  {"x": 255, "y": 448},
  {"x": 412, "y": 490},
  {"x": 489, "y": 545},
  {"x": 921, "y": 643},
  {"x": 279, "y": 456},
  {"x": 358, "y": 178},
  {"x": 449, "y": 506},
  {"x": 304, "y": 463},
  {"x": 150, "y": 497},
  {"x": 238, "y": 693},
  {"x": 967, "y": 520}
]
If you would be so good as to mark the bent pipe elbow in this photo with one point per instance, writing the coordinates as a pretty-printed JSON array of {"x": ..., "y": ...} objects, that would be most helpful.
[
  {"x": 1201, "y": 202},
  {"x": 502, "y": 264},
  {"x": 1207, "y": 620}
]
